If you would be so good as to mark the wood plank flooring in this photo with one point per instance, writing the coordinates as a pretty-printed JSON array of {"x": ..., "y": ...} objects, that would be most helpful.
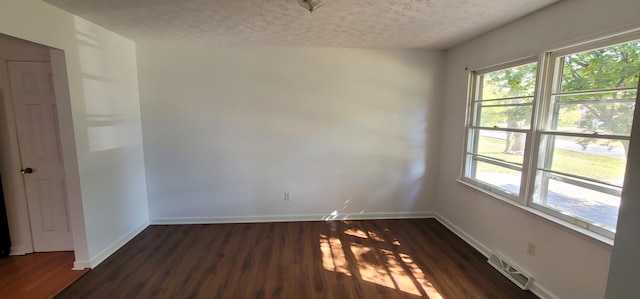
[
  {"x": 342, "y": 259},
  {"x": 37, "y": 275}
]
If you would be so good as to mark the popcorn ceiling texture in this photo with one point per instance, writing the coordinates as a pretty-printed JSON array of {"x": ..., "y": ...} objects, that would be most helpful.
[{"x": 425, "y": 24}]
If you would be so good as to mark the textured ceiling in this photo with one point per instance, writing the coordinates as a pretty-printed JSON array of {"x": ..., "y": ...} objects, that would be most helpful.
[{"x": 425, "y": 24}]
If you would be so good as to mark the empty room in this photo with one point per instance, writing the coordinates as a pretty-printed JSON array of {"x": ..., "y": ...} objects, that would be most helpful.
[{"x": 319, "y": 149}]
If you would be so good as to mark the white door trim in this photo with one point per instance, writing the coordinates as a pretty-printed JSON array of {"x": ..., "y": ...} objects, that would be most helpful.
[{"x": 70, "y": 156}]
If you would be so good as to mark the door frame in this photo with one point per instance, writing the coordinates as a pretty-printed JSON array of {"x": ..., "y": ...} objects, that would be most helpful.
[{"x": 10, "y": 163}]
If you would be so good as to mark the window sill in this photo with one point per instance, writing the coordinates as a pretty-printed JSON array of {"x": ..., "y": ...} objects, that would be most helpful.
[{"x": 573, "y": 229}]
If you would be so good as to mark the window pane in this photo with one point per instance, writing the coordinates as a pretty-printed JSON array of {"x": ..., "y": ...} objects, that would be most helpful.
[
  {"x": 518, "y": 81},
  {"x": 606, "y": 68},
  {"x": 595, "y": 158},
  {"x": 602, "y": 113},
  {"x": 505, "y": 146},
  {"x": 501, "y": 100},
  {"x": 506, "y": 179},
  {"x": 585, "y": 203},
  {"x": 515, "y": 117}
]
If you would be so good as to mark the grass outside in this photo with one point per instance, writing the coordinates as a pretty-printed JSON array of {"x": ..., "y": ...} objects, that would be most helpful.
[{"x": 604, "y": 168}]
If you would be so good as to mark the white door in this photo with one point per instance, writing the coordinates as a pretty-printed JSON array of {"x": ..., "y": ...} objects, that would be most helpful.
[{"x": 41, "y": 156}]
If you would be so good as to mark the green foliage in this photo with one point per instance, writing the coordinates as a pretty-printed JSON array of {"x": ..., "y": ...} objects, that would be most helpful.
[
  {"x": 569, "y": 119},
  {"x": 612, "y": 67},
  {"x": 517, "y": 83},
  {"x": 607, "y": 68}
]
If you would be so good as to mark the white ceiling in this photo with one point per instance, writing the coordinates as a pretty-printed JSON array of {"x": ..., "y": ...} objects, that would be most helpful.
[{"x": 425, "y": 24}]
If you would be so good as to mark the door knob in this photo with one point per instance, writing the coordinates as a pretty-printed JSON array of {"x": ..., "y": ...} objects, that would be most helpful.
[{"x": 27, "y": 170}]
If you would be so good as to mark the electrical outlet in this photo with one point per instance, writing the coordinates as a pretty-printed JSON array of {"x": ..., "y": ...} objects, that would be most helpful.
[
  {"x": 531, "y": 249},
  {"x": 287, "y": 196}
]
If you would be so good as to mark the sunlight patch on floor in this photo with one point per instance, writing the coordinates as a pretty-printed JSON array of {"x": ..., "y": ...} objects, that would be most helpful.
[
  {"x": 369, "y": 268},
  {"x": 377, "y": 264},
  {"x": 420, "y": 277},
  {"x": 356, "y": 233},
  {"x": 333, "y": 258}
]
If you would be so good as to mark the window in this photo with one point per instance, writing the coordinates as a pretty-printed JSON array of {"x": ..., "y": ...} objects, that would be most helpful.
[
  {"x": 557, "y": 144},
  {"x": 500, "y": 123}
]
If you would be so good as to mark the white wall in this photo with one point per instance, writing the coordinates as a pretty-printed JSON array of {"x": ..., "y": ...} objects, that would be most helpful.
[
  {"x": 228, "y": 130},
  {"x": 624, "y": 272},
  {"x": 566, "y": 264},
  {"x": 100, "y": 124}
]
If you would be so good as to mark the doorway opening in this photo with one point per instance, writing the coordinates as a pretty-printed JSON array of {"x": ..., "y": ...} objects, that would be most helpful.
[{"x": 32, "y": 157}]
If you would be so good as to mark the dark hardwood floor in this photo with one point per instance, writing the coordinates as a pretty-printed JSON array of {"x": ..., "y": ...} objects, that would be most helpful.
[
  {"x": 342, "y": 259},
  {"x": 36, "y": 275}
]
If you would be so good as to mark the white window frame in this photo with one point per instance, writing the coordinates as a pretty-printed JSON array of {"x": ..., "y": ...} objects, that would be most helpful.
[{"x": 548, "y": 72}]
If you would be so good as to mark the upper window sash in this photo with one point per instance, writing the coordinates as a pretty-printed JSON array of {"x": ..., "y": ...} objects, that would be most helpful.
[{"x": 490, "y": 109}]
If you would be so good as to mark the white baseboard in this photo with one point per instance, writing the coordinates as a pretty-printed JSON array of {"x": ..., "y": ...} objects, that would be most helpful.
[
  {"x": 20, "y": 250},
  {"x": 464, "y": 236},
  {"x": 103, "y": 255},
  {"x": 535, "y": 288},
  {"x": 81, "y": 265},
  {"x": 541, "y": 292},
  {"x": 288, "y": 218}
]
